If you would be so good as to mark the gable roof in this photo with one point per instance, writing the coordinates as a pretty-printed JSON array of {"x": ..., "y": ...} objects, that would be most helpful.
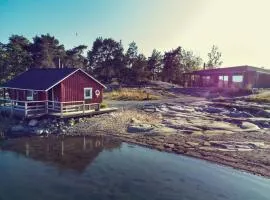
[
  {"x": 229, "y": 70},
  {"x": 42, "y": 79}
]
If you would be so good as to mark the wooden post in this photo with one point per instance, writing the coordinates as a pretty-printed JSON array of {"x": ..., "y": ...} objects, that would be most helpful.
[
  {"x": 53, "y": 98},
  {"x": 12, "y": 108},
  {"x": 61, "y": 108},
  {"x": 4, "y": 95},
  {"x": 230, "y": 81},
  {"x": 46, "y": 107},
  {"x": 83, "y": 107},
  {"x": 25, "y": 107},
  {"x": 46, "y": 103}
]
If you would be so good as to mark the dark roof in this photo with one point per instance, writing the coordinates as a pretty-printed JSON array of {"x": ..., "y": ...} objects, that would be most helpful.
[
  {"x": 39, "y": 79},
  {"x": 229, "y": 70}
]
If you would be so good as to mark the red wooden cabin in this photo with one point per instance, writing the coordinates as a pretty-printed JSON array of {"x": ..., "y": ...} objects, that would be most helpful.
[{"x": 53, "y": 91}]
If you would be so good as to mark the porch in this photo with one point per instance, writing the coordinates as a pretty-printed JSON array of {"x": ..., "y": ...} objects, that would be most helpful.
[{"x": 34, "y": 109}]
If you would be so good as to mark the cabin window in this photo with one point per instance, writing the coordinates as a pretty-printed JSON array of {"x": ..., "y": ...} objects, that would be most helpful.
[
  {"x": 29, "y": 95},
  {"x": 237, "y": 78},
  {"x": 87, "y": 93}
]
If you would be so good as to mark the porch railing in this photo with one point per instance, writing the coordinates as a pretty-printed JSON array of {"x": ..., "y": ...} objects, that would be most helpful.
[{"x": 30, "y": 108}]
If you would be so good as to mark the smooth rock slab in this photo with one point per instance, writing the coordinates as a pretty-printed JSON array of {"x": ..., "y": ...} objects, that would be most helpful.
[
  {"x": 183, "y": 109},
  {"x": 138, "y": 128},
  {"x": 37, "y": 131},
  {"x": 213, "y": 110},
  {"x": 264, "y": 113},
  {"x": 18, "y": 128},
  {"x": 217, "y": 132},
  {"x": 33, "y": 122},
  {"x": 163, "y": 131},
  {"x": 237, "y": 114},
  {"x": 214, "y": 125},
  {"x": 249, "y": 126}
]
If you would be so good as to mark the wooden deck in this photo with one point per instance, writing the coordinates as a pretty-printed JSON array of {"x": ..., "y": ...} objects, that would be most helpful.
[{"x": 35, "y": 109}]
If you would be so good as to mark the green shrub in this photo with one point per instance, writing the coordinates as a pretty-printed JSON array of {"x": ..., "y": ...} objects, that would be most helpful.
[
  {"x": 127, "y": 94},
  {"x": 260, "y": 98},
  {"x": 103, "y": 105}
]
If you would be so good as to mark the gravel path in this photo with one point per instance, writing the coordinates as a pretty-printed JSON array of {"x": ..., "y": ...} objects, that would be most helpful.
[{"x": 137, "y": 104}]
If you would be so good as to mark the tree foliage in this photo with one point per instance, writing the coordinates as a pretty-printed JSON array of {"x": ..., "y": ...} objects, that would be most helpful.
[
  {"x": 190, "y": 61},
  {"x": 155, "y": 65},
  {"x": 106, "y": 59},
  {"x": 131, "y": 54},
  {"x": 46, "y": 51},
  {"x": 173, "y": 68},
  {"x": 214, "y": 58},
  {"x": 74, "y": 57},
  {"x": 139, "y": 69},
  {"x": 15, "y": 57}
]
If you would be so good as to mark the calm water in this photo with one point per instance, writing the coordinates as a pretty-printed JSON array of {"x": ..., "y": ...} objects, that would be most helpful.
[{"x": 97, "y": 168}]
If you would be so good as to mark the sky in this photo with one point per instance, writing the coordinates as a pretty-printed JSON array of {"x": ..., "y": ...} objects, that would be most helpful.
[{"x": 240, "y": 28}]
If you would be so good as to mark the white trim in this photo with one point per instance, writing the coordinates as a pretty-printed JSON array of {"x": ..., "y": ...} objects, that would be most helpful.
[
  {"x": 21, "y": 89},
  {"x": 91, "y": 92}
]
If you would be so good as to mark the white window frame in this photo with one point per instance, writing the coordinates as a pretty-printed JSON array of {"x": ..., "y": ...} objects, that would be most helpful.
[
  {"x": 91, "y": 93},
  {"x": 235, "y": 80},
  {"x": 30, "y": 98}
]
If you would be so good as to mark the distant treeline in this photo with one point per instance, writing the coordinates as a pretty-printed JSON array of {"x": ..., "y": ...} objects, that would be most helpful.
[{"x": 107, "y": 60}]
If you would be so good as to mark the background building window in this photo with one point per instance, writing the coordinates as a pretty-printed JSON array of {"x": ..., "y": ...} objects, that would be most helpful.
[{"x": 238, "y": 78}]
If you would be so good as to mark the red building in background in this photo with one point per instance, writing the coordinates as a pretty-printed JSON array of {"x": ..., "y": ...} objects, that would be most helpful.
[{"x": 247, "y": 77}]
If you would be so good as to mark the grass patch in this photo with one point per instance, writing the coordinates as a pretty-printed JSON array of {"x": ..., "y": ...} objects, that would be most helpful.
[
  {"x": 103, "y": 105},
  {"x": 260, "y": 98},
  {"x": 127, "y": 94}
]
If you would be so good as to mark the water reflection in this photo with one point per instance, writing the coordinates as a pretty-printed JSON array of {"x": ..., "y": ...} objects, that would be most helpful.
[
  {"x": 130, "y": 172},
  {"x": 67, "y": 153}
]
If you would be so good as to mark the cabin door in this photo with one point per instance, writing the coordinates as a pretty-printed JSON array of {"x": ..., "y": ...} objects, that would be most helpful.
[{"x": 52, "y": 98}]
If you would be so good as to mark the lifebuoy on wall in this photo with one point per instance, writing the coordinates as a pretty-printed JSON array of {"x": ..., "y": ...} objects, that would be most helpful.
[{"x": 97, "y": 92}]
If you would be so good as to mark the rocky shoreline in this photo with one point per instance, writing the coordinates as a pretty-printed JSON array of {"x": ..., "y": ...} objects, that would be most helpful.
[{"x": 231, "y": 133}]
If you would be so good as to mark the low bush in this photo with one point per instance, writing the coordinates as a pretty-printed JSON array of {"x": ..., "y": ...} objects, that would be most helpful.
[
  {"x": 127, "y": 94},
  {"x": 260, "y": 98},
  {"x": 103, "y": 105}
]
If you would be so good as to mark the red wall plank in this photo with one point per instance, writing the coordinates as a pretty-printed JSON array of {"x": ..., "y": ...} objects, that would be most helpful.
[{"x": 72, "y": 88}]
